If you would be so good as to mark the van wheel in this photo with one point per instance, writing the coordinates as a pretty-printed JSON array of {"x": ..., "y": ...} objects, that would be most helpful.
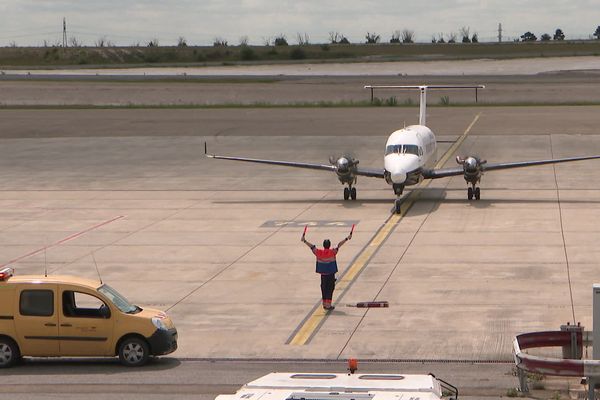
[
  {"x": 9, "y": 352},
  {"x": 134, "y": 352}
]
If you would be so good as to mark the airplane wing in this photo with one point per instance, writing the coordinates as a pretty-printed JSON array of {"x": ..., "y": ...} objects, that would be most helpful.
[
  {"x": 275, "y": 162},
  {"x": 445, "y": 172},
  {"x": 370, "y": 172}
]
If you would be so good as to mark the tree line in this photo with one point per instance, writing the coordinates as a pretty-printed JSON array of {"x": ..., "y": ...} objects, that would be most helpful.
[{"x": 405, "y": 36}]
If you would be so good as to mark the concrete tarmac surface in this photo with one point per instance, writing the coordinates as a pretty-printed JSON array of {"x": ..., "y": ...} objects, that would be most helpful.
[
  {"x": 203, "y": 380},
  {"x": 172, "y": 229},
  {"x": 551, "y": 88}
]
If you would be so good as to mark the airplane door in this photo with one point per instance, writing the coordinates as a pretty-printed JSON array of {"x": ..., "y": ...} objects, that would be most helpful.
[
  {"x": 86, "y": 324},
  {"x": 36, "y": 320}
]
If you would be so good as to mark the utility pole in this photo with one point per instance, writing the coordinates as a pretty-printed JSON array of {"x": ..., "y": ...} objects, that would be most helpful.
[
  {"x": 64, "y": 32},
  {"x": 500, "y": 33}
]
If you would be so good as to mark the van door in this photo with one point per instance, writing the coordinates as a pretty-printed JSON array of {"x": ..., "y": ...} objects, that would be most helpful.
[
  {"x": 85, "y": 324},
  {"x": 36, "y": 319}
]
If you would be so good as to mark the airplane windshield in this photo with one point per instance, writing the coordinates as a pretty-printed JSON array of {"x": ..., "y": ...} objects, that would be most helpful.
[{"x": 403, "y": 149}]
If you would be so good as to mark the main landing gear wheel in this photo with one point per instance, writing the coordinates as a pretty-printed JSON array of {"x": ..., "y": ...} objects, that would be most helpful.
[
  {"x": 353, "y": 193},
  {"x": 473, "y": 193},
  {"x": 397, "y": 206},
  {"x": 346, "y": 193}
]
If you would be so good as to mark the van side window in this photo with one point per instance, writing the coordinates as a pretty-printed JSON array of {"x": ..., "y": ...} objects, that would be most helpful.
[
  {"x": 83, "y": 305},
  {"x": 37, "y": 303}
]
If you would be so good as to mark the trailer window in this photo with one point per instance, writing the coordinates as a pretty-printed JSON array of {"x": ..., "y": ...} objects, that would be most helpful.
[
  {"x": 381, "y": 377},
  {"x": 313, "y": 376}
]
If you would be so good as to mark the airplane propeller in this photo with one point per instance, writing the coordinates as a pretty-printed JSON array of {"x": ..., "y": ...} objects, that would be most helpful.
[
  {"x": 471, "y": 164},
  {"x": 344, "y": 164}
]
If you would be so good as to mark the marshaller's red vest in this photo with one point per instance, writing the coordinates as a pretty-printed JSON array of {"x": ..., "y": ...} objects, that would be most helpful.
[{"x": 326, "y": 264}]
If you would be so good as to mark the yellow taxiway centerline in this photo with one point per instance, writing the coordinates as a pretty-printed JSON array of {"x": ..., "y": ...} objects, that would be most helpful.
[{"x": 312, "y": 323}]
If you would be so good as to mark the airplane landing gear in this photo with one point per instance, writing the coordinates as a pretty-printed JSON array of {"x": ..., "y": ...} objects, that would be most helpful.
[
  {"x": 398, "y": 189},
  {"x": 473, "y": 192},
  {"x": 350, "y": 193}
]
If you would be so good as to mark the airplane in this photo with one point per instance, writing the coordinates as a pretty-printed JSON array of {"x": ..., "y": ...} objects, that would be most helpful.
[{"x": 410, "y": 157}]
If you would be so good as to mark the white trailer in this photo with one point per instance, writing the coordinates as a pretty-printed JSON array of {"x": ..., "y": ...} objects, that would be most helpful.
[{"x": 325, "y": 386}]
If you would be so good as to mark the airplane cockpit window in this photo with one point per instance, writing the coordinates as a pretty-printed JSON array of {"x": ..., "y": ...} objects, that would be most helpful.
[
  {"x": 411, "y": 149},
  {"x": 403, "y": 149},
  {"x": 393, "y": 148}
]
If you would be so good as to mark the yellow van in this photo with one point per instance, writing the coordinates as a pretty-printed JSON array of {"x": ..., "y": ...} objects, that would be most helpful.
[{"x": 56, "y": 316}]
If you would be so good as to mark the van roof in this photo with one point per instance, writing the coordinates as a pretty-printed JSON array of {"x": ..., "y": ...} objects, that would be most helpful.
[{"x": 58, "y": 279}]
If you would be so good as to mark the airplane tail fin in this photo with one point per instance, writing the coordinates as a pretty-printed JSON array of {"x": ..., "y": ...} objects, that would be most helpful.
[{"x": 423, "y": 97}]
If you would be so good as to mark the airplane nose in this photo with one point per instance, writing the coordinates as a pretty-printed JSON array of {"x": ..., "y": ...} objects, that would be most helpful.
[{"x": 398, "y": 177}]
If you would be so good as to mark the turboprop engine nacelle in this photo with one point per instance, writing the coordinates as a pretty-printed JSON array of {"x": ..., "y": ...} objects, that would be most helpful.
[
  {"x": 345, "y": 167},
  {"x": 472, "y": 167}
]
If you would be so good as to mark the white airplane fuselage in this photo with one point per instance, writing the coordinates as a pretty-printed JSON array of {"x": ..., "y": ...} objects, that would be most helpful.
[{"x": 407, "y": 152}]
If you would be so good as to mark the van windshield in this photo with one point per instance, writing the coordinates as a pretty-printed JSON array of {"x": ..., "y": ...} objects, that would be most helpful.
[{"x": 119, "y": 300}]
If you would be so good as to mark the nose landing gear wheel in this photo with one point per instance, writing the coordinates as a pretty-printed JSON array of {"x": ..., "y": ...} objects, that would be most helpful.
[
  {"x": 470, "y": 193},
  {"x": 353, "y": 193},
  {"x": 477, "y": 194},
  {"x": 346, "y": 193},
  {"x": 397, "y": 206}
]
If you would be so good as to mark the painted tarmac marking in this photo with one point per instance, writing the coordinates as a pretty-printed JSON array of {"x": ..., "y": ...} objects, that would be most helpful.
[
  {"x": 307, "y": 329},
  {"x": 310, "y": 223},
  {"x": 58, "y": 243}
]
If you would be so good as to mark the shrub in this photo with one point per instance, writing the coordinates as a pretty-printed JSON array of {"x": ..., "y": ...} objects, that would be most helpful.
[
  {"x": 391, "y": 102},
  {"x": 297, "y": 54},
  {"x": 528, "y": 37},
  {"x": 219, "y": 42},
  {"x": 247, "y": 53},
  {"x": 559, "y": 35},
  {"x": 408, "y": 36},
  {"x": 372, "y": 38},
  {"x": 280, "y": 40}
]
